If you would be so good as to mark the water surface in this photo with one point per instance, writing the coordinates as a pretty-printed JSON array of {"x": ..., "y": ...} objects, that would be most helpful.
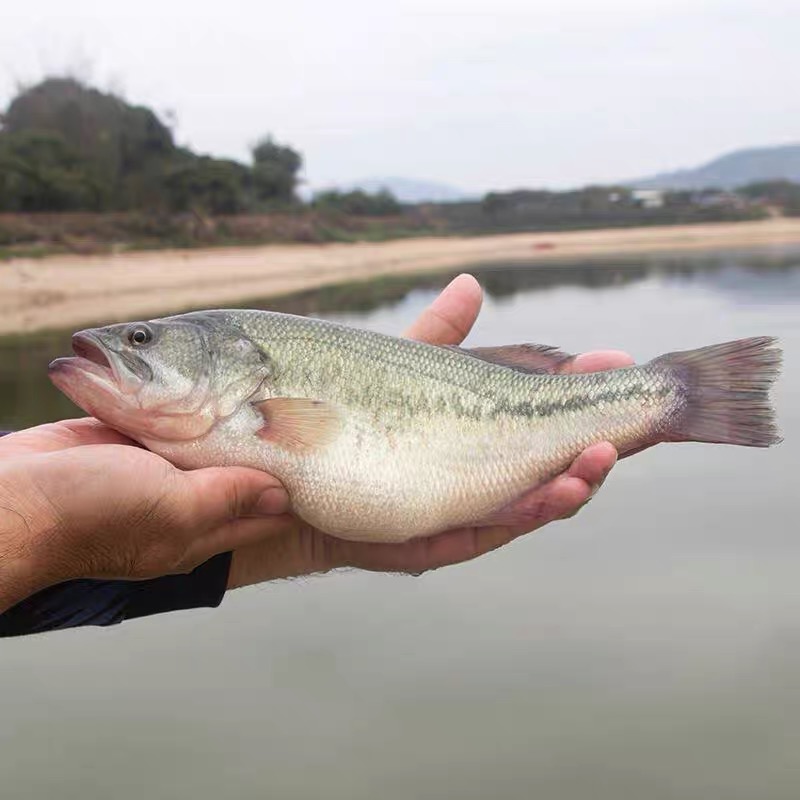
[{"x": 649, "y": 648}]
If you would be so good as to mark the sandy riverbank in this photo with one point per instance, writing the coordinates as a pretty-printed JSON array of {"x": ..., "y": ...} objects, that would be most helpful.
[{"x": 66, "y": 291}]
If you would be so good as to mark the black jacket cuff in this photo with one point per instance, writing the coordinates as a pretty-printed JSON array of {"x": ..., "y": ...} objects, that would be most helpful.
[{"x": 98, "y": 602}]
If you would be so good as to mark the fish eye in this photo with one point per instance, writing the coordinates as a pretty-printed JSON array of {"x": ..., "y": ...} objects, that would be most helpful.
[{"x": 140, "y": 336}]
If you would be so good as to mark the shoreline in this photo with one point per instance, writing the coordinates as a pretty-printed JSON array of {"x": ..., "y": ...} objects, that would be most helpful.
[{"x": 61, "y": 291}]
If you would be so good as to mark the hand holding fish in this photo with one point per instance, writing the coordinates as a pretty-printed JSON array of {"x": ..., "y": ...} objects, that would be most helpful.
[
  {"x": 80, "y": 499},
  {"x": 300, "y": 549}
]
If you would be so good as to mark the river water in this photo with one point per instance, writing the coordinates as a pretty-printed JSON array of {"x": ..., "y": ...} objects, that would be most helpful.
[{"x": 649, "y": 648}]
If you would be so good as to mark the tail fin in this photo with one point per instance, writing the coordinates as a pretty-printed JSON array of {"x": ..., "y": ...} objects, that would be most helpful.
[{"x": 726, "y": 392}]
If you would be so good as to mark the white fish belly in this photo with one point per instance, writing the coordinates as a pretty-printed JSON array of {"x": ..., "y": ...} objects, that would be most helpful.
[{"x": 385, "y": 488}]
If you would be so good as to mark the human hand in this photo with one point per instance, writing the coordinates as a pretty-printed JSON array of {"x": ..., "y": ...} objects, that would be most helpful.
[
  {"x": 80, "y": 500},
  {"x": 298, "y": 549}
]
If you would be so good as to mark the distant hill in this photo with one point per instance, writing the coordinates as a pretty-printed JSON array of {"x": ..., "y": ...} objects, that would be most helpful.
[
  {"x": 732, "y": 170},
  {"x": 409, "y": 190}
]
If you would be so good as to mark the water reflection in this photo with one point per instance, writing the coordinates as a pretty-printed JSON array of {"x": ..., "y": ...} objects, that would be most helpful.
[
  {"x": 750, "y": 268},
  {"x": 27, "y": 398}
]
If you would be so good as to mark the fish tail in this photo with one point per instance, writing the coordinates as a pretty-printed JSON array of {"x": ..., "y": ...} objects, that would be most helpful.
[{"x": 725, "y": 393}]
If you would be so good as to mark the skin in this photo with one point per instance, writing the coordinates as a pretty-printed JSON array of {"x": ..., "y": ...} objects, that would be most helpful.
[{"x": 132, "y": 515}]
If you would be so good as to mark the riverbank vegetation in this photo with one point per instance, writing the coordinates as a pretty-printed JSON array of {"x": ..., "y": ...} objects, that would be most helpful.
[{"x": 85, "y": 171}]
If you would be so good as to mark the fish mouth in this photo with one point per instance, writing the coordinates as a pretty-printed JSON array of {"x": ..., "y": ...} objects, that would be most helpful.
[
  {"x": 103, "y": 365},
  {"x": 88, "y": 348},
  {"x": 96, "y": 379},
  {"x": 90, "y": 358}
]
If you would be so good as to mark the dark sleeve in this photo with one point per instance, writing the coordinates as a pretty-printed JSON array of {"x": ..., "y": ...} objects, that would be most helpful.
[{"x": 97, "y": 602}]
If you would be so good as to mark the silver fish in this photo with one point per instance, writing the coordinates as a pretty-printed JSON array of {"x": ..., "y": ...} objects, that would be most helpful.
[{"x": 384, "y": 439}]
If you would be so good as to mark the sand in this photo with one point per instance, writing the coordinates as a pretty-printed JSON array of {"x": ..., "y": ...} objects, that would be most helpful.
[{"x": 68, "y": 291}]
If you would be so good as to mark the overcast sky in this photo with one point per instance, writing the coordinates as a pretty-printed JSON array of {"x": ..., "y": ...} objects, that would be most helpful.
[{"x": 491, "y": 94}]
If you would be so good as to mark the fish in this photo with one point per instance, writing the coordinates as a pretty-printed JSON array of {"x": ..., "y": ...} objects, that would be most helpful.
[{"x": 383, "y": 439}]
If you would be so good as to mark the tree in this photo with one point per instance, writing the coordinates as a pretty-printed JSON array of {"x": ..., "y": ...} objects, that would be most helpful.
[
  {"x": 39, "y": 171},
  {"x": 359, "y": 203},
  {"x": 67, "y": 146},
  {"x": 781, "y": 193},
  {"x": 275, "y": 169},
  {"x": 208, "y": 184},
  {"x": 115, "y": 138}
]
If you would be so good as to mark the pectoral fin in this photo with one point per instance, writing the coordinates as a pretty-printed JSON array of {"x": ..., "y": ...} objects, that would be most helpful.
[
  {"x": 298, "y": 423},
  {"x": 534, "y": 358}
]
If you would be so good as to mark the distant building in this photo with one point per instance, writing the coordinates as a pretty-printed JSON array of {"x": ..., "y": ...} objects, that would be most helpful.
[
  {"x": 648, "y": 198},
  {"x": 713, "y": 198}
]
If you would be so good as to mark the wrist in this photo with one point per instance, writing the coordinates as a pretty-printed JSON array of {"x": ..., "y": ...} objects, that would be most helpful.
[
  {"x": 17, "y": 572},
  {"x": 27, "y": 559}
]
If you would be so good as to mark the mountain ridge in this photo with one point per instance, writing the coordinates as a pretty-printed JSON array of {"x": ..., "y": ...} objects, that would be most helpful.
[{"x": 731, "y": 170}]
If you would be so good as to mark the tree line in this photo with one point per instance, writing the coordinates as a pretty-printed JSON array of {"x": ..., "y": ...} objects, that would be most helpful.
[{"x": 65, "y": 146}]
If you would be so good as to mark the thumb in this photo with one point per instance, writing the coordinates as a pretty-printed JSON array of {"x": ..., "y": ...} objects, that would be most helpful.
[
  {"x": 452, "y": 314},
  {"x": 218, "y": 494}
]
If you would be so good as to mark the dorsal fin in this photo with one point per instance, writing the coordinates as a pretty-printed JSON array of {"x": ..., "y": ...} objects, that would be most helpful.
[{"x": 533, "y": 358}]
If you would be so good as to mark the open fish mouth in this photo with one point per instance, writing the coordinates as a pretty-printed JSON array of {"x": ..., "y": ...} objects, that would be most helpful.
[
  {"x": 101, "y": 365},
  {"x": 88, "y": 349},
  {"x": 92, "y": 360}
]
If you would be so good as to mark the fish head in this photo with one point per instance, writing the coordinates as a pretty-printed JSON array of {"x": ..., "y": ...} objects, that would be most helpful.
[{"x": 169, "y": 379}]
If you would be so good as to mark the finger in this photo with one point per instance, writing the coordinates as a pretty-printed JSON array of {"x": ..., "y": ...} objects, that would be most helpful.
[
  {"x": 566, "y": 494},
  {"x": 598, "y": 361},
  {"x": 556, "y": 498},
  {"x": 452, "y": 314},
  {"x": 217, "y": 494},
  {"x": 89, "y": 430},
  {"x": 593, "y": 467},
  {"x": 62, "y": 435},
  {"x": 239, "y": 535},
  {"x": 292, "y": 549},
  {"x": 594, "y": 463}
]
